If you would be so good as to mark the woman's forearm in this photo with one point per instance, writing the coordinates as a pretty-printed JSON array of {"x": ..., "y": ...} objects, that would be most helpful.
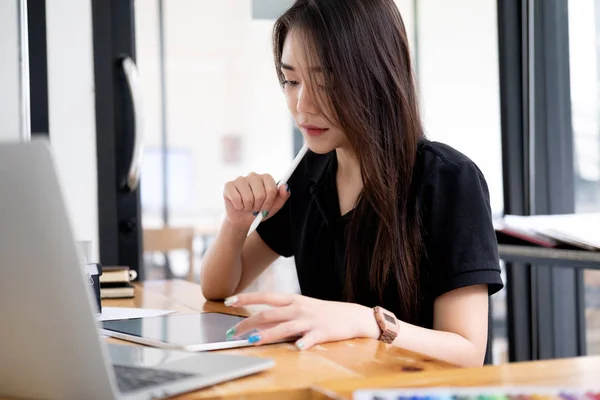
[
  {"x": 444, "y": 346},
  {"x": 222, "y": 266}
]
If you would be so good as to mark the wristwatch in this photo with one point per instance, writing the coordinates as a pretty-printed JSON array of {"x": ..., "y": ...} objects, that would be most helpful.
[{"x": 388, "y": 323}]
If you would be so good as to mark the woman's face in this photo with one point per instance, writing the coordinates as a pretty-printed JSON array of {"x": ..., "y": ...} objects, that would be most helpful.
[{"x": 320, "y": 135}]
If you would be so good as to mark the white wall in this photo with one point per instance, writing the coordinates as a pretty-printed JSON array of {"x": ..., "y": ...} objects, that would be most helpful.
[
  {"x": 10, "y": 97},
  {"x": 72, "y": 110},
  {"x": 220, "y": 81},
  {"x": 407, "y": 12},
  {"x": 459, "y": 82},
  {"x": 71, "y": 101},
  {"x": 584, "y": 88}
]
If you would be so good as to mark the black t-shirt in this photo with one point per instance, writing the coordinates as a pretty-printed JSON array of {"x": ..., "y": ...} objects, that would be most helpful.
[{"x": 460, "y": 247}]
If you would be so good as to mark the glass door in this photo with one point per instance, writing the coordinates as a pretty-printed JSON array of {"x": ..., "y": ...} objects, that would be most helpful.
[
  {"x": 119, "y": 133},
  {"x": 213, "y": 110}
]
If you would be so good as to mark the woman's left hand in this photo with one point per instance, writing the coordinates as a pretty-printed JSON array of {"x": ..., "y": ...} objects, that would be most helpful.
[{"x": 313, "y": 321}]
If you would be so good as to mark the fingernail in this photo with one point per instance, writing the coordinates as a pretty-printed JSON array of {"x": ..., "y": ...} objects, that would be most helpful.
[
  {"x": 230, "y": 333},
  {"x": 287, "y": 188},
  {"x": 231, "y": 301},
  {"x": 253, "y": 339},
  {"x": 265, "y": 214},
  {"x": 255, "y": 213},
  {"x": 299, "y": 345}
]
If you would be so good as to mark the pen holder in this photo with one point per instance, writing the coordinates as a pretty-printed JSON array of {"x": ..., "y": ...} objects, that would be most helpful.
[{"x": 93, "y": 272}]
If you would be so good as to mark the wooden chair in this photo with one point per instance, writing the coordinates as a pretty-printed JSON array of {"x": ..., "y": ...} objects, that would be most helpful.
[{"x": 164, "y": 240}]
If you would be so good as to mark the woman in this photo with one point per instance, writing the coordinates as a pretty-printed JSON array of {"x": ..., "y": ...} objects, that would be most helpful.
[{"x": 391, "y": 233}]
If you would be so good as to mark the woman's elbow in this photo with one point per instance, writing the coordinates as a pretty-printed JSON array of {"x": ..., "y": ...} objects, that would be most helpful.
[
  {"x": 472, "y": 362},
  {"x": 210, "y": 290},
  {"x": 211, "y": 296},
  {"x": 215, "y": 290},
  {"x": 472, "y": 359}
]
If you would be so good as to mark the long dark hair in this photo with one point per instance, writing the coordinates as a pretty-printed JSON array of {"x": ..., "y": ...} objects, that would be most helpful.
[{"x": 362, "y": 49}]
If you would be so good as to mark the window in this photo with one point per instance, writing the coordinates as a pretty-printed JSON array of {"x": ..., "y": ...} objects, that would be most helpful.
[
  {"x": 219, "y": 110},
  {"x": 456, "y": 58},
  {"x": 584, "y": 39}
]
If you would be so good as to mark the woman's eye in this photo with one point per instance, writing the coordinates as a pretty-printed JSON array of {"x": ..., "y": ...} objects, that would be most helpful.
[{"x": 289, "y": 83}]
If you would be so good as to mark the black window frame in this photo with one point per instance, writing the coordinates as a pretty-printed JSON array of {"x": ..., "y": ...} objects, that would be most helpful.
[
  {"x": 38, "y": 68},
  {"x": 119, "y": 208},
  {"x": 538, "y": 169}
]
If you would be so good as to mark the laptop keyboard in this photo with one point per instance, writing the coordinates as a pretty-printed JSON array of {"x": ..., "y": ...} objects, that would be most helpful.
[{"x": 130, "y": 378}]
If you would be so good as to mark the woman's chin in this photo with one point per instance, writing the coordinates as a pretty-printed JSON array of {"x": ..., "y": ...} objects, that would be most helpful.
[{"x": 319, "y": 145}]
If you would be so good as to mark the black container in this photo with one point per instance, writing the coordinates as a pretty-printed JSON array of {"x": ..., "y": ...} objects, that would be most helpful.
[{"x": 93, "y": 272}]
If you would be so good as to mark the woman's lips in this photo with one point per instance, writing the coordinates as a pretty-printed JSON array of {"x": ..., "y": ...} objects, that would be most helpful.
[{"x": 312, "y": 130}]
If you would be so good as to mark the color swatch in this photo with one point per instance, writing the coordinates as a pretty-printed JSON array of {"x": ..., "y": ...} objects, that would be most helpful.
[{"x": 478, "y": 393}]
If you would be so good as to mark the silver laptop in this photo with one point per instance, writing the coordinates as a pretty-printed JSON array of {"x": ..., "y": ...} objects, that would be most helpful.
[{"x": 50, "y": 345}]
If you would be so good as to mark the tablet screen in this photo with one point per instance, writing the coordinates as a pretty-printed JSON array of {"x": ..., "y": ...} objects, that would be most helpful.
[{"x": 183, "y": 330}]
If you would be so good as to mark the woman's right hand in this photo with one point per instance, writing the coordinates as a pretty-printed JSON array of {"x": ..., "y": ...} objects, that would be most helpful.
[{"x": 248, "y": 195}]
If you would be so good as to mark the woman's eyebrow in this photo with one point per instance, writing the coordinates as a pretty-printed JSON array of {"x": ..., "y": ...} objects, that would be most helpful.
[{"x": 291, "y": 68}]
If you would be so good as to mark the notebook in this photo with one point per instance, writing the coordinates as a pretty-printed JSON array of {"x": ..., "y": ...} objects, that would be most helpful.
[
  {"x": 117, "y": 291},
  {"x": 574, "y": 231},
  {"x": 115, "y": 282},
  {"x": 117, "y": 273}
]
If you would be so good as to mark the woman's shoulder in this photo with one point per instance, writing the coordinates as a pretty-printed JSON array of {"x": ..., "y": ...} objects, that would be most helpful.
[
  {"x": 433, "y": 155},
  {"x": 458, "y": 231},
  {"x": 436, "y": 158}
]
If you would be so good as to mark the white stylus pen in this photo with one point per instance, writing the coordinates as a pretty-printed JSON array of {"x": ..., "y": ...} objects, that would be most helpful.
[{"x": 281, "y": 182}]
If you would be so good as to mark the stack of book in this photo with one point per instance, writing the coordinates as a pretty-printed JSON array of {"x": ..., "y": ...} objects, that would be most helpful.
[
  {"x": 562, "y": 231},
  {"x": 115, "y": 282}
]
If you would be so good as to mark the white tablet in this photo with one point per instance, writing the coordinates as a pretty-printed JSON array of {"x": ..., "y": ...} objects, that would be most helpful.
[{"x": 189, "y": 332}]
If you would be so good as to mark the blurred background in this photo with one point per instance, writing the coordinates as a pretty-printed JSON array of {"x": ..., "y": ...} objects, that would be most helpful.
[{"x": 213, "y": 110}]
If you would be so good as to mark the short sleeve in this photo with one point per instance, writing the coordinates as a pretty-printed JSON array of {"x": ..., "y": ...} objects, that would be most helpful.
[
  {"x": 459, "y": 237},
  {"x": 275, "y": 231}
]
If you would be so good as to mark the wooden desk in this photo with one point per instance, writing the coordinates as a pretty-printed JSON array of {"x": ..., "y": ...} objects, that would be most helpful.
[
  {"x": 581, "y": 372},
  {"x": 335, "y": 370},
  {"x": 295, "y": 372}
]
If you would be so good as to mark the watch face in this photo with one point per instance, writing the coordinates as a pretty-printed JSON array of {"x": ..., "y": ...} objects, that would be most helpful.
[{"x": 389, "y": 319}]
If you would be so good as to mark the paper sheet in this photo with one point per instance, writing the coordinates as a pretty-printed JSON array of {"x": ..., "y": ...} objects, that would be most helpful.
[
  {"x": 112, "y": 313},
  {"x": 578, "y": 228}
]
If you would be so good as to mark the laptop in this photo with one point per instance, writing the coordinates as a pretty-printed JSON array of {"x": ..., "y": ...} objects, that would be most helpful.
[{"x": 50, "y": 343}]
